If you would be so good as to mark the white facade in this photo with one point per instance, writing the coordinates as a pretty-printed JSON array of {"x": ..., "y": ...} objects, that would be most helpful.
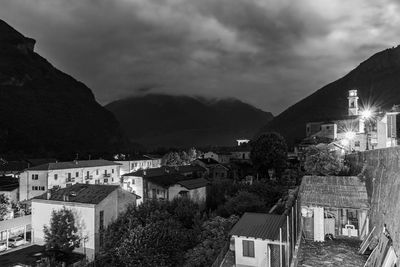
[
  {"x": 134, "y": 184},
  {"x": 128, "y": 166},
  {"x": 262, "y": 252},
  {"x": 87, "y": 218},
  {"x": 36, "y": 182}
]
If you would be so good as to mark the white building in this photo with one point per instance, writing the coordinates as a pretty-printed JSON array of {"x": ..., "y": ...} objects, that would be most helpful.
[
  {"x": 139, "y": 163},
  {"x": 167, "y": 183},
  {"x": 257, "y": 240},
  {"x": 37, "y": 180},
  {"x": 94, "y": 208}
]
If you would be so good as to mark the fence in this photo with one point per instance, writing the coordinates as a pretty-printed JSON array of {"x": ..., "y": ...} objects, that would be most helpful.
[{"x": 282, "y": 253}]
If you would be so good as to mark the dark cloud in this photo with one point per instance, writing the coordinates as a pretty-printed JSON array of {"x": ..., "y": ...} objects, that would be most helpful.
[{"x": 269, "y": 53}]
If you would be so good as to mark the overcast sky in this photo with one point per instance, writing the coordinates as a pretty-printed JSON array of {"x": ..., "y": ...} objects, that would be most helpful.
[{"x": 270, "y": 53}]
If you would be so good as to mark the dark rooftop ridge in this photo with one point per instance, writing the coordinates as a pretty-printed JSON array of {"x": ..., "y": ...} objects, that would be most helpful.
[{"x": 73, "y": 164}]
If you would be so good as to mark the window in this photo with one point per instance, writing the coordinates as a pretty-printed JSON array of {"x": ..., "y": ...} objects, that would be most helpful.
[
  {"x": 87, "y": 173},
  {"x": 106, "y": 180},
  {"x": 132, "y": 166},
  {"x": 133, "y": 181},
  {"x": 97, "y": 182},
  {"x": 97, "y": 172},
  {"x": 35, "y": 176},
  {"x": 69, "y": 175},
  {"x": 77, "y": 174},
  {"x": 33, "y": 188},
  {"x": 248, "y": 248},
  {"x": 55, "y": 176},
  {"x": 357, "y": 143},
  {"x": 42, "y": 188},
  {"x": 112, "y": 170}
]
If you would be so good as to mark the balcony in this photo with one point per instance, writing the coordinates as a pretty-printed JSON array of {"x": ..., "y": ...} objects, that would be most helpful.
[
  {"x": 107, "y": 175},
  {"x": 88, "y": 177}
]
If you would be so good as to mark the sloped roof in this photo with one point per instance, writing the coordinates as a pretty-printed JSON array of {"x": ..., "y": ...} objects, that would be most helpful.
[
  {"x": 334, "y": 191},
  {"x": 8, "y": 183},
  {"x": 166, "y": 180},
  {"x": 208, "y": 161},
  {"x": 152, "y": 172},
  {"x": 259, "y": 225},
  {"x": 81, "y": 193},
  {"x": 73, "y": 164},
  {"x": 193, "y": 183}
]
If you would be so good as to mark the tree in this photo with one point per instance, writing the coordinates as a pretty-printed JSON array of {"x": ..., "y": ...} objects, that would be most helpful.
[
  {"x": 172, "y": 159},
  {"x": 62, "y": 234},
  {"x": 269, "y": 151},
  {"x": 4, "y": 206},
  {"x": 241, "y": 203},
  {"x": 214, "y": 234},
  {"x": 322, "y": 160}
]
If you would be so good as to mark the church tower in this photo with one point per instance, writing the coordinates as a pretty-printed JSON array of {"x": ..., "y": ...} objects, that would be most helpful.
[{"x": 353, "y": 102}]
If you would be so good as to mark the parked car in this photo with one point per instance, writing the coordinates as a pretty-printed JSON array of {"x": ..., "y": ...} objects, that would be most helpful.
[
  {"x": 3, "y": 246},
  {"x": 16, "y": 241}
]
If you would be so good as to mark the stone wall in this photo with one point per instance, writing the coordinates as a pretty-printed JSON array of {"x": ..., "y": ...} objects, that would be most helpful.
[{"x": 381, "y": 170}]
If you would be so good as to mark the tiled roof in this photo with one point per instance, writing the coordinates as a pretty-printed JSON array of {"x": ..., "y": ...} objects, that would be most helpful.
[
  {"x": 193, "y": 183},
  {"x": 152, "y": 172},
  {"x": 81, "y": 193},
  {"x": 73, "y": 164},
  {"x": 334, "y": 191},
  {"x": 167, "y": 180},
  {"x": 208, "y": 161},
  {"x": 259, "y": 225},
  {"x": 8, "y": 183}
]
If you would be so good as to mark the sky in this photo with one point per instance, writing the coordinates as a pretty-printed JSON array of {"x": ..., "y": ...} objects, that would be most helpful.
[{"x": 269, "y": 53}]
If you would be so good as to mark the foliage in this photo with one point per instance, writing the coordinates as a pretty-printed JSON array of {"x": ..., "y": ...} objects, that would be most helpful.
[
  {"x": 62, "y": 234},
  {"x": 243, "y": 202},
  {"x": 4, "y": 206},
  {"x": 214, "y": 235},
  {"x": 152, "y": 234},
  {"x": 223, "y": 190},
  {"x": 159, "y": 242},
  {"x": 321, "y": 160},
  {"x": 269, "y": 151},
  {"x": 175, "y": 158}
]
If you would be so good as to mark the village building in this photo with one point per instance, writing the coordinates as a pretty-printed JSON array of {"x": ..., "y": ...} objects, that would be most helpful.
[
  {"x": 258, "y": 241},
  {"x": 37, "y": 180},
  {"x": 9, "y": 187},
  {"x": 135, "y": 163},
  {"x": 215, "y": 170},
  {"x": 94, "y": 208},
  {"x": 166, "y": 183},
  {"x": 220, "y": 156},
  {"x": 334, "y": 205}
]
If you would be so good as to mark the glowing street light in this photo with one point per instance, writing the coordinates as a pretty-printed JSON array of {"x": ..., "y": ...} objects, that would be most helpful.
[
  {"x": 366, "y": 113},
  {"x": 350, "y": 135}
]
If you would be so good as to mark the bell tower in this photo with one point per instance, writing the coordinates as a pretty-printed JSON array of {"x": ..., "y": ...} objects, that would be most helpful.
[{"x": 353, "y": 102}]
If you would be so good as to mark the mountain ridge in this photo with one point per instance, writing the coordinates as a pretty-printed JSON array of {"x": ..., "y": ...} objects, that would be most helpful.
[{"x": 181, "y": 121}]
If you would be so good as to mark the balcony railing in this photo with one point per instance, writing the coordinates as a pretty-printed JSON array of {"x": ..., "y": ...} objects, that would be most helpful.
[
  {"x": 107, "y": 175},
  {"x": 89, "y": 177}
]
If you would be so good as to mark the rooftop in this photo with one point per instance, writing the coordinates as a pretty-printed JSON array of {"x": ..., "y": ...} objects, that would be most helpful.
[
  {"x": 208, "y": 161},
  {"x": 193, "y": 183},
  {"x": 81, "y": 193},
  {"x": 259, "y": 225},
  {"x": 8, "y": 183},
  {"x": 152, "y": 172},
  {"x": 73, "y": 165},
  {"x": 167, "y": 180},
  {"x": 334, "y": 191}
]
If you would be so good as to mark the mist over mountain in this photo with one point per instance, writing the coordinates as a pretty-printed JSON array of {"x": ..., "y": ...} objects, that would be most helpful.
[
  {"x": 158, "y": 120},
  {"x": 44, "y": 110},
  {"x": 377, "y": 80}
]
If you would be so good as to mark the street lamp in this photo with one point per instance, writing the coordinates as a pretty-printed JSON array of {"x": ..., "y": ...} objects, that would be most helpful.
[{"x": 367, "y": 114}]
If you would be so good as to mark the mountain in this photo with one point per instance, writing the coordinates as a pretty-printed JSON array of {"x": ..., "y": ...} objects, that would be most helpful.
[
  {"x": 378, "y": 83},
  {"x": 44, "y": 110},
  {"x": 159, "y": 120}
]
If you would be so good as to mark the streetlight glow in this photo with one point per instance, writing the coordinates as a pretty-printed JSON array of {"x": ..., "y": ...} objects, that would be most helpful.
[
  {"x": 350, "y": 135},
  {"x": 366, "y": 113}
]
